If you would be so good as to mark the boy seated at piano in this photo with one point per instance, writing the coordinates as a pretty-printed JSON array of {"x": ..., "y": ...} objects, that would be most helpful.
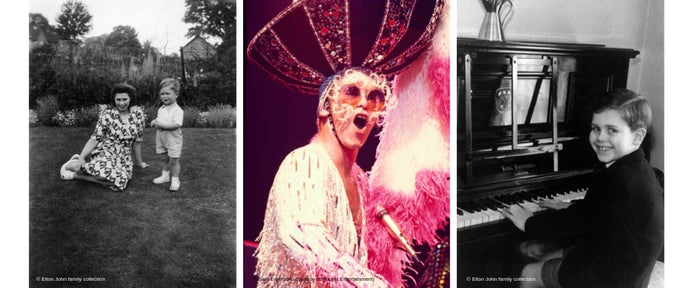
[{"x": 613, "y": 236}]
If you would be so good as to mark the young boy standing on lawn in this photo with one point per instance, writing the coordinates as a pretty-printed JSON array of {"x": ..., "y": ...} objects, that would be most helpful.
[{"x": 168, "y": 133}]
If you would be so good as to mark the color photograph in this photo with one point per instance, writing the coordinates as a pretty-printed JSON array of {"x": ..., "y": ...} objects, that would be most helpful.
[{"x": 346, "y": 144}]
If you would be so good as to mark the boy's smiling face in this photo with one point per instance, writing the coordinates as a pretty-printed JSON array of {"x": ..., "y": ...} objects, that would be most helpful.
[{"x": 611, "y": 138}]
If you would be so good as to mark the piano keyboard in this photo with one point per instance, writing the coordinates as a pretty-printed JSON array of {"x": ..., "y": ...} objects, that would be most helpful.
[{"x": 487, "y": 210}]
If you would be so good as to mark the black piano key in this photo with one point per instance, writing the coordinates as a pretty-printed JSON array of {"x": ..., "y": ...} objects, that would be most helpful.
[
  {"x": 499, "y": 202},
  {"x": 466, "y": 207},
  {"x": 479, "y": 205},
  {"x": 512, "y": 199},
  {"x": 493, "y": 204},
  {"x": 500, "y": 198},
  {"x": 549, "y": 193},
  {"x": 503, "y": 199},
  {"x": 522, "y": 198},
  {"x": 496, "y": 205},
  {"x": 532, "y": 197},
  {"x": 540, "y": 192},
  {"x": 470, "y": 207}
]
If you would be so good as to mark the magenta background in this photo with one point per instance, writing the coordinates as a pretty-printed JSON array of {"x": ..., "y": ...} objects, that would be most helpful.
[{"x": 276, "y": 121}]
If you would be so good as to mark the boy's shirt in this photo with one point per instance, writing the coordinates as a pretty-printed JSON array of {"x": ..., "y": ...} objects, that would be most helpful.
[
  {"x": 170, "y": 114},
  {"x": 617, "y": 230}
]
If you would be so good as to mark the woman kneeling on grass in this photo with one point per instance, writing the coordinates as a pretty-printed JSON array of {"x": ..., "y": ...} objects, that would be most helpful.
[{"x": 119, "y": 130}]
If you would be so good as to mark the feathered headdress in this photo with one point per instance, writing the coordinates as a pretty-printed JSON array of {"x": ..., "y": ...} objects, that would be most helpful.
[{"x": 312, "y": 39}]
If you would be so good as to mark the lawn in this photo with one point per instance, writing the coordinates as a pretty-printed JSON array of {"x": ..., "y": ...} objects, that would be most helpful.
[{"x": 144, "y": 236}]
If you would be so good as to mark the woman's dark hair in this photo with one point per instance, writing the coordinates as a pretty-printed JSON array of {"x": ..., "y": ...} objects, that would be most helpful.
[{"x": 123, "y": 88}]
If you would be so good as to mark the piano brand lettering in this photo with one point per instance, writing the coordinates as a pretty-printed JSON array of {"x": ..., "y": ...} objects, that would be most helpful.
[
  {"x": 517, "y": 167},
  {"x": 521, "y": 173},
  {"x": 524, "y": 166}
]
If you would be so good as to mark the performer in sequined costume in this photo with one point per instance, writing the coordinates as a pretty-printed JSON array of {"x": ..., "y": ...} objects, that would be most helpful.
[
  {"x": 314, "y": 222},
  {"x": 318, "y": 222}
]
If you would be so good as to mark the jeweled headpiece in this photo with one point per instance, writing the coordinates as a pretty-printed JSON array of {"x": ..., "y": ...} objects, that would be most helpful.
[{"x": 312, "y": 39}]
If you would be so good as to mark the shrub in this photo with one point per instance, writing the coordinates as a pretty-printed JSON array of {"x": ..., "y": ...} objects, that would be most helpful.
[
  {"x": 32, "y": 118},
  {"x": 86, "y": 116},
  {"x": 151, "y": 112},
  {"x": 95, "y": 69},
  {"x": 65, "y": 119},
  {"x": 202, "y": 120},
  {"x": 47, "y": 107},
  {"x": 191, "y": 114},
  {"x": 220, "y": 116}
]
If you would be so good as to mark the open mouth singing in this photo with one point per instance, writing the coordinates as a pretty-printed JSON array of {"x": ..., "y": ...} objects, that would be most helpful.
[{"x": 360, "y": 121}]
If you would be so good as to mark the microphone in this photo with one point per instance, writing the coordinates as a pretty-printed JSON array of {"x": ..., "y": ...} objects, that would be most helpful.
[{"x": 395, "y": 232}]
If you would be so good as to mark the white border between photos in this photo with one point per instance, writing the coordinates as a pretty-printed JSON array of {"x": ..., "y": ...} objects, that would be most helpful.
[
  {"x": 240, "y": 59},
  {"x": 453, "y": 145},
  {"x": 14, "y": 174},
  {"x": 681, "y": 155}
]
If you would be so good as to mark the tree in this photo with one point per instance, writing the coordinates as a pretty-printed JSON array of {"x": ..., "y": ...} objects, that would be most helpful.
[
  {"x": 38, "y": 24},
  {"x": 211, "y": 18},
  {"x": 73, "y": 22},
  {"x": 96, "y": 40},
  {"x": 123, "y": 36},
  {"x": 147, "y": 47}
]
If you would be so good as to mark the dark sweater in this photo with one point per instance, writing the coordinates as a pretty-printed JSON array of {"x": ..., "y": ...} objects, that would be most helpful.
[{"x": 617, "y": 231}]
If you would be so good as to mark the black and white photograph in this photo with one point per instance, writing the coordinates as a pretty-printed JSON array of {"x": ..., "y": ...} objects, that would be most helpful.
[
  {"x": 132, "y": 143},
  {"x": 560, "y": 153}
]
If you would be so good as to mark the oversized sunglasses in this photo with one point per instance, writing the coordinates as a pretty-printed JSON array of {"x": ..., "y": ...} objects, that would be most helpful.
[{"x": 352, "y": 95}]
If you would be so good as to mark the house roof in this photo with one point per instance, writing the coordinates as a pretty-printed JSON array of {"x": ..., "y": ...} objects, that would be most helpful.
[{"x": 197, "y": 37}]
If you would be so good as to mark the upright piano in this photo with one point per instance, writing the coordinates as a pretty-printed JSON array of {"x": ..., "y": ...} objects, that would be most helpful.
[{"x": 524, "y": 112}]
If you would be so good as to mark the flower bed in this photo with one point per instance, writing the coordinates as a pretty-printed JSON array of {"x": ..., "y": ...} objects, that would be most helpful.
[{"x": 218, "y": 116}]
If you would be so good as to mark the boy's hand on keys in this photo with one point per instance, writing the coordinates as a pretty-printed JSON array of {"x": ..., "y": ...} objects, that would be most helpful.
[
  {"x": 518, "y": 215},
  {"x": 554, "y": 204}
]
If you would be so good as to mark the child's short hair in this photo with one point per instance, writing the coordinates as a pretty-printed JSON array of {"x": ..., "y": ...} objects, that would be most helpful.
[
  {"x": 634, "y": 109},
  {"x": 172, "y": 83}
]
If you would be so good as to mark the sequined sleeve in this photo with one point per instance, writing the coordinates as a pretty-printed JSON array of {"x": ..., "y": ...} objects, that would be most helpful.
[{"x": 306, "y": 236}]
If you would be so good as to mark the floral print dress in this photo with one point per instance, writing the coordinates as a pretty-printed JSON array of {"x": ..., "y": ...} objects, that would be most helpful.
[{"x": 111, "y": 158}]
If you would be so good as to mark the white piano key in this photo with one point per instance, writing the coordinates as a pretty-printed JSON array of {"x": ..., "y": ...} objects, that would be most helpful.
[{"x": 490, "y": 215}]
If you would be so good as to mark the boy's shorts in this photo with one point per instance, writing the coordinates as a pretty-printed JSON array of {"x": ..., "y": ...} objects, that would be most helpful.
[
  {"x": 550, "y": 273},
  {"x": 170, "y": 142},
  {"x": 550, "y": 270}
]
